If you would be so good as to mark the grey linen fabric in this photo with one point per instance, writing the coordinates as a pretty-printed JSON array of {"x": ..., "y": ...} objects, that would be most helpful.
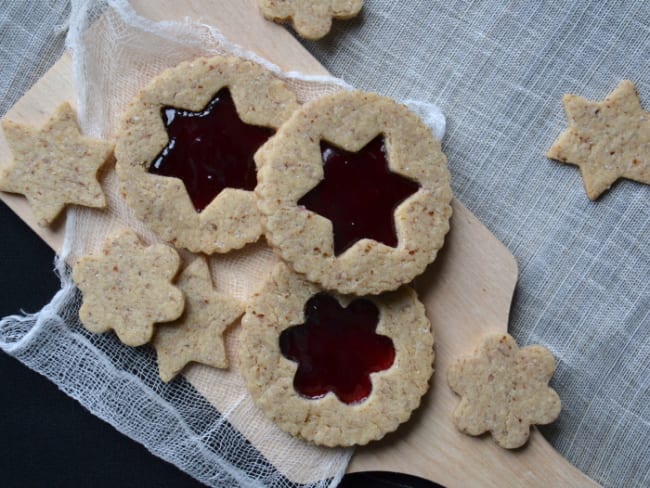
[
  {"x": 32, "y": 38},
  {"x": 498, "y": 70}
]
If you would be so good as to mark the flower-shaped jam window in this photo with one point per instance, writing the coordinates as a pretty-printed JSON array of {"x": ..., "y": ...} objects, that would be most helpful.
[
  {"x": 337, "y": 348},
  {"x": 210, "y": 150},
  {"x": 359, "y": 194}
]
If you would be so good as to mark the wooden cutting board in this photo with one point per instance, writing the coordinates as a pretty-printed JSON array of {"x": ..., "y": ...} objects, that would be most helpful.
[{"x": 467, "y": 291}]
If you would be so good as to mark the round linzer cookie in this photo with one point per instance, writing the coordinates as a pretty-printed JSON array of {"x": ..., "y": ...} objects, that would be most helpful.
[
  {"x": 185, "y": 151},
  {"x": 331, "y": 369},
  {"x": 355, "y": 193}
]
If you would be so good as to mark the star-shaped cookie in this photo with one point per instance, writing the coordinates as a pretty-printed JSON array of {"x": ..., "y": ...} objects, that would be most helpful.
[
  {"x": 198, "y": 334},
  {"x": 55, "y": 165},
  {"x": 504, "y": 390},
  {"x": 128, "y": 288},
  {"x": 608, "y": 140}
]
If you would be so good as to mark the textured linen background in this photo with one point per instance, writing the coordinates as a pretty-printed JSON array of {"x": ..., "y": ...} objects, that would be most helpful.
[{"x": 498, "y": 70}]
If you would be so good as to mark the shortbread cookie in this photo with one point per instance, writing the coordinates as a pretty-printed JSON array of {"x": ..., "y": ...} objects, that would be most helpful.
[
  {"x": 608, "y": 140},
  {"x": 185, "y": 151},
  {"x": 55, "y": 165},
  {"x": 504, "y": 390},
  {"x": 197, "y": 336},
  {"x": 128, "y": 288},
  {"x": 332, "y": 369},
  {"x": 312, "y": 19},
  {"x": 367, "y": 203}
]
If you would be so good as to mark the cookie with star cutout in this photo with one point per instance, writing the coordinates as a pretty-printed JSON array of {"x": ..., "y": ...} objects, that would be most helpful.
[
  {"x": 367, "y": 205},
  {"x": 185, "y": 151},
  {"x": 607, "y": 140},
  {"x": 54, "y": 166},
  {"x": 312, "y": 19},
  {"x": 331, "y": 369}
]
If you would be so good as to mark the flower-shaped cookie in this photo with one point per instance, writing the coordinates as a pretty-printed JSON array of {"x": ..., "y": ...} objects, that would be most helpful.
[
  {"x": 55, "y": 165},
  {"x": 312, "y": 19},
  {"x": 185, "y": 150},
  {"x": 127, "y": 288},
  {"x": 504, "y": 390}
]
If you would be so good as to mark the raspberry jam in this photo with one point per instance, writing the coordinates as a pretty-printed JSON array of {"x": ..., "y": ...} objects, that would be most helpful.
[
  {"x": 337, "y": 348},
  {"x": 359, "y": 194},
  {"x": 210, "y": 150}
]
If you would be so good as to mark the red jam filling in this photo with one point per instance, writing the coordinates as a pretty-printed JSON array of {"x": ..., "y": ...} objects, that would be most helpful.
[
  {"x": 210, "y": 150},
  {"x": 337, "y": 348},
  {"x": 359, "y": 194}
]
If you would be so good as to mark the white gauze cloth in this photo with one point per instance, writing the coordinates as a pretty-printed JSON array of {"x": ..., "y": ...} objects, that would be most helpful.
[{"x": 204, "y": 422}]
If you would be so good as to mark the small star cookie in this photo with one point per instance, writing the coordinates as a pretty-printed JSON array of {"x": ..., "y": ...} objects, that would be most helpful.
[
  {"x": 504, "y": 390},
  {"x": 55, "y": 165},
  {"x": 198, "y": 334},
  {"x": 312, "y": 19},
  {"x": 127, "y": 288},
  {"x": 608, "y": 140}
]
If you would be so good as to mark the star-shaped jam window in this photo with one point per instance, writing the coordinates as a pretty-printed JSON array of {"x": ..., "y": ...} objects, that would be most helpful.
[
  {"x": 608, "y": 140},
  {"x": 337, "y": 349},
  {"x": 55, "y": 165},
  {"x": 210, "y": 150},
  {"x": 359, "y": 194}
]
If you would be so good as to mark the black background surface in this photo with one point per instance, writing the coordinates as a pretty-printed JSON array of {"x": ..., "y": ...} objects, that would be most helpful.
[{"x": 47, "y": 439}]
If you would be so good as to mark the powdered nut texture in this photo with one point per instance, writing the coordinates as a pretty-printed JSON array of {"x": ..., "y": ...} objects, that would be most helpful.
[
  {"x": 608, "y": 140},
  {"x": 231, "y": 219},
  {"x": 326, "y": 420},
  {"x": 128, "y": 288},
  {"x": 504, "y": 390},
  {"x": 55, "y": 165},
  {"x": 350, "y": 121},
  {"x": 312, "y": 19}
]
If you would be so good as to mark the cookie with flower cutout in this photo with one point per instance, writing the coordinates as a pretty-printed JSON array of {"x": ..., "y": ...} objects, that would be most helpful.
[
  {"x": 504, "y": 390},
  {"x": 368, "y": 203},
  {"x": 55, "y": 165},
  {"x": 331, "y": 369},
  {"x": 185, "y": 150},
  {"x": 128, "y": 288},
  {"x": 312, "y": 19},
  {"x": 197, "y": 335}
]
